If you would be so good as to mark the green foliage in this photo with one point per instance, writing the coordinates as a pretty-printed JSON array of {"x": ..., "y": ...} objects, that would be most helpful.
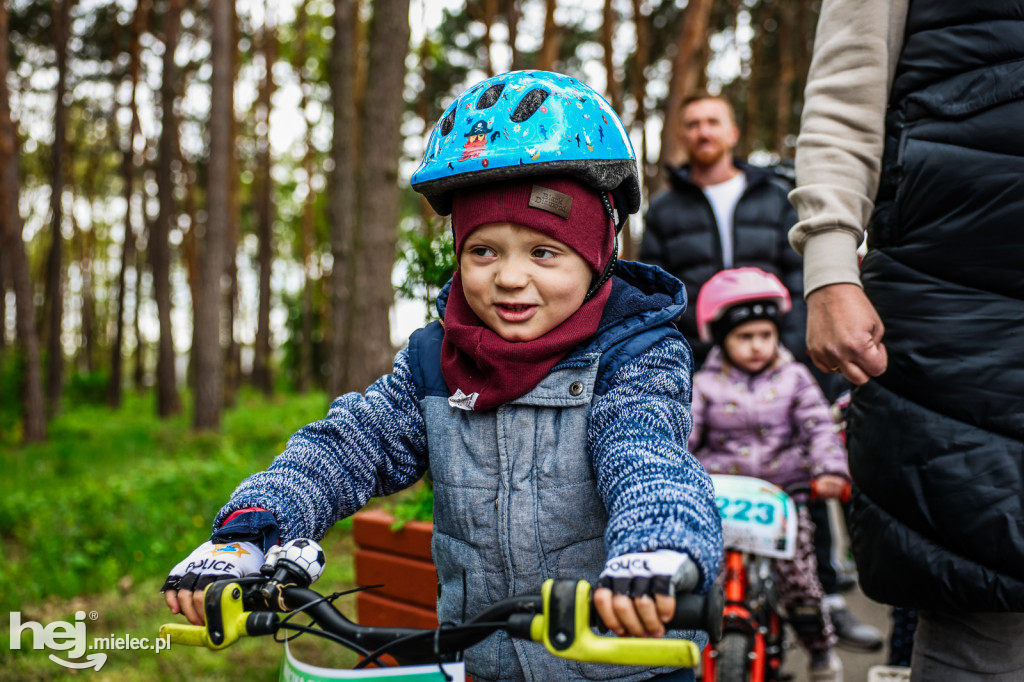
[
  {"x": 11, "y": 386},
  {"x": 83, "y": 388},
  {"x": 116, "y": 495},
  {"x": 427, "y": 251},
  {"x": 291, "y": 350},
  {"x": 415, "y": 504},
  {"x": 94, "y": 519}
]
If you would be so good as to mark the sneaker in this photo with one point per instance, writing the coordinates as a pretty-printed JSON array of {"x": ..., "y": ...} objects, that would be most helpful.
[
  {"x": 888, "y": 673},
  {"x": 825, "y": 667},
  {"x": 850, "y": 631}
]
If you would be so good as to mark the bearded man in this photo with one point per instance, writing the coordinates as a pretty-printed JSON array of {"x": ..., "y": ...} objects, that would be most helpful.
[{"x": 720, "y": 212}]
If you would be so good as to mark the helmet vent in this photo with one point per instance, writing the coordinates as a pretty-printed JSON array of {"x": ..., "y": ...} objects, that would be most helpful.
[
  {"x": 490, "y": 96},
  {"x": 448, "y": 123},
  {"x": 529, "y": 104}
]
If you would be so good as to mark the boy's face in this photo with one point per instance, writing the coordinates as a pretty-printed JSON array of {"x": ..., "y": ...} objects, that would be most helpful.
[
  {"x": 751, "y": 345},
  {"x": 520, "y": 282}
]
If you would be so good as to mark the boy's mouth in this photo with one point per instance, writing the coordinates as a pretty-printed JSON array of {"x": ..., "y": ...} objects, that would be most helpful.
[{"x": 515, "y": 312}]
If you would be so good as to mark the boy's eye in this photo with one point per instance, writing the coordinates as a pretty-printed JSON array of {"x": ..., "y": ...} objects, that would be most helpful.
[
  {"x": 481, "y": 251},
  {"x": 543, "y": 253}
]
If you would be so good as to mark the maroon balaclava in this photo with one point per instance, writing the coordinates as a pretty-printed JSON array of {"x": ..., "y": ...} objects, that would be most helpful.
[{"x": 482, "y": 369}]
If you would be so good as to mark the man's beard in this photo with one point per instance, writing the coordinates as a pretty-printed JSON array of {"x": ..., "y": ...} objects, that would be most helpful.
[{"x": 707, "y": 157}]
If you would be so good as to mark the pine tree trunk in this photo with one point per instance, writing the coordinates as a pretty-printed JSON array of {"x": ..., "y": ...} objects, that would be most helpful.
[
  {"x": 233, "y": 356},
  {"x": 752, "y": 114},
  {"x": 693, "y": 28},
  {"x": 308, "y": 238},
  {"x": 115, "y": 389},
  {"x": 4, "y": 277},
  {"x": 190, "y": 249},
  {"x": 167, "y": 400},
  {"x": 806, "y": 20},
  {"x": 552, "y": 41},
  {"x": 342, "y": 200},
  {"x": 261, "y": 373},
  {"x": 512, "y": 14},
  {"x": 80, "y": 253},
  {"x": 638, "y": 87},
  {"x": 377, "y": 227},
  {"x": 55, "y": 263},
  {"x": 139, "y": 360},
  {"x": 13, "y": 247},
  {"x": 786, "y": 78},
  {"x": 84, "y": 242},
  {"x": 209, "y": 362},
  {"x": 614, "y": 87}
]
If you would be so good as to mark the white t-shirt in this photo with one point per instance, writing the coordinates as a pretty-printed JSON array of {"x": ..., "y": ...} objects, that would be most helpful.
[{"x": 723, "y": 197}]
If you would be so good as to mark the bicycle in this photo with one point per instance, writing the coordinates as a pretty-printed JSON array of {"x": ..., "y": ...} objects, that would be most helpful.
[
  {"x": 560, "y": 617},
  {"x": 759, "y": 524}
]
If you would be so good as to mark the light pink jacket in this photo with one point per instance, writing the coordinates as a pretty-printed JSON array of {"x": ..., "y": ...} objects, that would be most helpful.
[{"x": 773, "y": 425}]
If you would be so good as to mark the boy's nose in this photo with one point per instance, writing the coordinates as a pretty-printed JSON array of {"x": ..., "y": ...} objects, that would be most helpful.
[{"x": 511, "y": 274}]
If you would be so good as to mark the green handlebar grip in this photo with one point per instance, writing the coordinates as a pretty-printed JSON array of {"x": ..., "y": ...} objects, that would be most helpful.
[
  {"x": 582, "y": 644},
  {"x": 225, "y": 619},
  {"x": 192, "y": 635}
]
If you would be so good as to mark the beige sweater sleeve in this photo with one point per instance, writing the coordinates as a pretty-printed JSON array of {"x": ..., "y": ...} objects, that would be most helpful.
[{"x": 842, "y": 130}]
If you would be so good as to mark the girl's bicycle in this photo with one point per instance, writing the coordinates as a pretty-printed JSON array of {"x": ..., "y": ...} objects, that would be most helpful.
[
  {"x": 560, "y": 617},
  {"x": 759, "y": 524}
]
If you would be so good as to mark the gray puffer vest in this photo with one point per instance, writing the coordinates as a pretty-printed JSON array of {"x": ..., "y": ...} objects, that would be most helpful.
[{"x": 516, "y": 501}]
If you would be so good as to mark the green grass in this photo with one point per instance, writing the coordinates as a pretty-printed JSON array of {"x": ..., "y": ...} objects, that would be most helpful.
[{"x": 94, "y": 519}]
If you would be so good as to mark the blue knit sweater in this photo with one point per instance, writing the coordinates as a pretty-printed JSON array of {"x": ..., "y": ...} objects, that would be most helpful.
[{"x": 656, "y": 494}]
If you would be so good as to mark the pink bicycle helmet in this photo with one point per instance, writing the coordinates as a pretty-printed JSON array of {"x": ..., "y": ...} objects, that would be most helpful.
[{"x": 731, "y": 288}]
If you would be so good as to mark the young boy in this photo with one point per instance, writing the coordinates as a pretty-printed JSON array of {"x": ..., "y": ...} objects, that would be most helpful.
[
  {"x": 550, "y": 406},
  {"x": 757, "y": 412}
]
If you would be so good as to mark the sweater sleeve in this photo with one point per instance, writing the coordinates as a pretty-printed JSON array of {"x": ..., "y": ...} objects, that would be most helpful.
[
  {"x": 697, "y": 409},
  {"x": 657, "y": 495},
  {"x": 816, "y": 428},
  {"x": 842, "y": 132},
  {"x": 368, "y": 445}
]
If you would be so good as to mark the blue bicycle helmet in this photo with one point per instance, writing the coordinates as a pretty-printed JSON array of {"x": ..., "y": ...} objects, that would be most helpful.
[{"x": 526, "y": 123}]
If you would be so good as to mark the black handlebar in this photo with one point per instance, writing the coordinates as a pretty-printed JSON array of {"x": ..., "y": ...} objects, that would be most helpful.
[{"x": 411, "y": 646}]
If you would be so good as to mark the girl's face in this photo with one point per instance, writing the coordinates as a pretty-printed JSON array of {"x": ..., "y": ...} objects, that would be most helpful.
[
  {"x": 520, "y": 282},
  {"x": 752, "y": 345}
]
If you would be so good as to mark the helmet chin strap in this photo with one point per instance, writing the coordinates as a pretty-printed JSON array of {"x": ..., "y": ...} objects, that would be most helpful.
[{"x": 618, "y": 219}]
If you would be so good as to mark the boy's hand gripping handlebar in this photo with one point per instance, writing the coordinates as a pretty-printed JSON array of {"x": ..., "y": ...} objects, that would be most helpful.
[
  {"x": 226, "y": 618},
  {"x": 561, "y": 618},
  {"x": 565, "y": 629}
]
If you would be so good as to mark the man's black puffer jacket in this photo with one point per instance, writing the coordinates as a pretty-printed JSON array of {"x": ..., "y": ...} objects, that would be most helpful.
[
  {"x": 681, "y": 235},
  {"x": 937, "y": 442}
]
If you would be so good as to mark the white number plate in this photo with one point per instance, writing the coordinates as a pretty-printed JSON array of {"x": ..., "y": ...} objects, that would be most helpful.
[{"x": 757, "y": 516}]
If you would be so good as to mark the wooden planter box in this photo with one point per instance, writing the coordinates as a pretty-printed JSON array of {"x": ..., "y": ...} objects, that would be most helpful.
[{"x": 401, "y": 562}]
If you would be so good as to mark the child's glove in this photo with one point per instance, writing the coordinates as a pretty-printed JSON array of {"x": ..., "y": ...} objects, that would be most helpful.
[
  {"x": 212, "y": 562},
  {"x": 663, "y": 571},
  {"x": 236, "y": 549}
]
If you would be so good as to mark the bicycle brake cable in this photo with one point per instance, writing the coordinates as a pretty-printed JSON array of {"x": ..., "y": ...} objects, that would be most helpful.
[
  {"x": 337, "y": 639},
  {"x": 437, "y": 649},
  {"x": 284, "y": 623},
  {"x": 405, "y": 639}
]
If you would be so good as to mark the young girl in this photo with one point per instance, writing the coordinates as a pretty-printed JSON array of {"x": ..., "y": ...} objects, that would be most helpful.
[
  {"x": 758, "y": 412},
  {"x": 550, "y": 406}
]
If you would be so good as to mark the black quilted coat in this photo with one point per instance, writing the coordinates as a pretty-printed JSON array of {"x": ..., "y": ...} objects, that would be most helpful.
[
  {"x": 681, "y": 235},
  {"x": 937, "y": 442}
]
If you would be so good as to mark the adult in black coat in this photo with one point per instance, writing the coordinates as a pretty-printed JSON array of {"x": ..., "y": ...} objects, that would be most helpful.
[{"x": 922, "y": 117}]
